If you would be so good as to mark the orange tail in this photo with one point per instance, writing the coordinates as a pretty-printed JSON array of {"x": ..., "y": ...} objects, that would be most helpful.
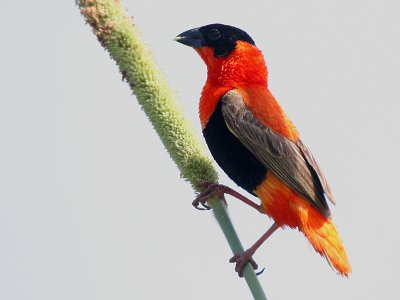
[
  {"x": 322, "y": 234},
  {"x": 288, "y": 208}
]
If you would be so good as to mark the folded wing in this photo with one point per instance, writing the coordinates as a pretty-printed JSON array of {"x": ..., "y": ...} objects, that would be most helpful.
[{"x": 291, "y": 161}]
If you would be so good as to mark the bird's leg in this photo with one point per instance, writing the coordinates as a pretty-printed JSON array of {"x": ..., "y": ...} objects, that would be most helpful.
[
  {"x": 241, "y": 259},
  {"x": 219, "y": 190}
]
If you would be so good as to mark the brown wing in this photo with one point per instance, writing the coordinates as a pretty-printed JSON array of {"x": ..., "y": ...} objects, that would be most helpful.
[{"x": 292, "y": 162}]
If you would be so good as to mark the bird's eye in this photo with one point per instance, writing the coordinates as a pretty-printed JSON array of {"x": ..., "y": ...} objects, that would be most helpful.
[{"x": 214, "y": 34}]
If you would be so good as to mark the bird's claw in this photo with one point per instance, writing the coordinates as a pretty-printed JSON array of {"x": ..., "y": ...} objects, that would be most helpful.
[
  {"x": 197, "y": 202},
  {"x": 241, "y": 260},
  {"x": 210, "y": 190}
]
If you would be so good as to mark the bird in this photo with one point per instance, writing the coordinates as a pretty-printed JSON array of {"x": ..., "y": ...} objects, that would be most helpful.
[{"x": 256, "y": 144}]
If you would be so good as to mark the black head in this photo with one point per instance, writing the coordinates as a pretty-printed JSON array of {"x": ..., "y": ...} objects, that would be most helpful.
[{"x": 221, "y": 38}]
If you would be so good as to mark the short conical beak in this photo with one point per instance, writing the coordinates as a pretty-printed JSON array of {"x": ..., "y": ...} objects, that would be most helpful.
[{"x": 192, "y": 38}]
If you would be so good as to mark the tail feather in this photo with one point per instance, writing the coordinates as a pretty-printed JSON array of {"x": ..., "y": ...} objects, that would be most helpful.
[
  {"x": 288, "y": 208},
  {"x": 323, "y": 236}
]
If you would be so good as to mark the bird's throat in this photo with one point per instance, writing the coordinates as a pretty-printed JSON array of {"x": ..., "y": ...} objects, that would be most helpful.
[{"x": 242, "y": 67}]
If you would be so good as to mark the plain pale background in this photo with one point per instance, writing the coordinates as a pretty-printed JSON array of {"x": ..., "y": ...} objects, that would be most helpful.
[{"x": 92, "y": 207}]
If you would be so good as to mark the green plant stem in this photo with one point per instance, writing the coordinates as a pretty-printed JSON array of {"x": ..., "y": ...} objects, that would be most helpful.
[{"x": 117, "y": 33}]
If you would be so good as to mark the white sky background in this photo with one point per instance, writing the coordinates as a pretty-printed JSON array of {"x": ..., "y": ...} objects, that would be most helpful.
[{"x": 91, "y": 206}]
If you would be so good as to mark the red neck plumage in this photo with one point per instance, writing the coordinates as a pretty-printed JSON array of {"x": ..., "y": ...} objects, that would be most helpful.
[{"x": 244, "y": 66}]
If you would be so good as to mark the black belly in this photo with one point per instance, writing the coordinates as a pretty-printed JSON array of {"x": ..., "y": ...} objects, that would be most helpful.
[{"x": 237, "y": 162}]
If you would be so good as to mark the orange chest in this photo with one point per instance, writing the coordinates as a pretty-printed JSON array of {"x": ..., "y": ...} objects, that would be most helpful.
[{"x": 208, "y": 102}]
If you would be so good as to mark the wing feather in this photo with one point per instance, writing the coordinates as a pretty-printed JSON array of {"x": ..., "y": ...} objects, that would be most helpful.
[{"x": 292, "y": 162}]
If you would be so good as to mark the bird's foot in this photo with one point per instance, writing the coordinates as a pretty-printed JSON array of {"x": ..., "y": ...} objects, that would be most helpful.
[
  {"x": 241, "y": 260},
  {"x": 211, "y": 190}
]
